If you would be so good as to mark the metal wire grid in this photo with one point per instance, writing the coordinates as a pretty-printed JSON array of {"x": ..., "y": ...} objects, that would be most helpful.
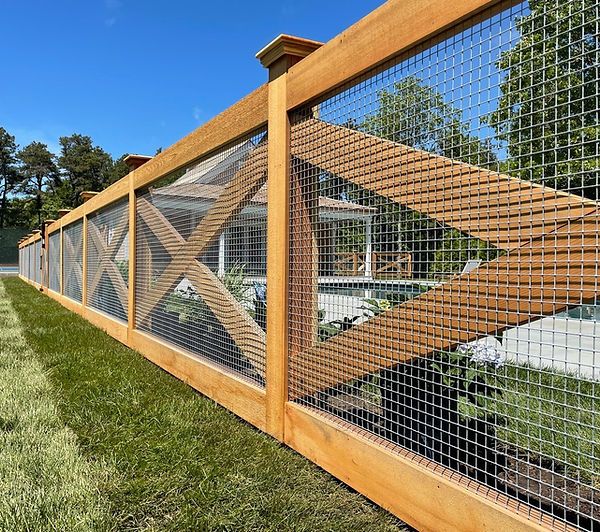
[
  {"x": 24, "y": 264},
  {"x": 54, "y": 261},
  {"x": 37, "y": 261},
  {"x": 201, "y": 255},
  {"x": 439, "y": 297},
  {"x": 108, "y": 260},
  {"x": 73, "y": 260},
  {"x": 29, "y": 262}
]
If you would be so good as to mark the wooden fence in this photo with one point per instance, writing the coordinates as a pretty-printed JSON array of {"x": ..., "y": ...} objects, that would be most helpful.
[{"x": 152, "y": 260}]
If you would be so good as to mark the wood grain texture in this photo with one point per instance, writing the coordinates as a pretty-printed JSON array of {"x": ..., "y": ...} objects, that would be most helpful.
[
  {"x": 106, "y": 254},
  {"x": 107, "y": 265},
  {"x": 74, "y": 249},
  {"x": 393, "y": 28},
  {"x": 422, "y": 494},
  {"x": 496, "y": 208},
  {"x": 550, "y": 238},
  {"x": 233, "y": 198},
  {"x": 278, "y": 205},
  {"x": 132, "y": 270},
  {"x": 243, "y": 117},
  {"x": 237, "y": 395},
  {"x": 236, "y": 320},
  {"x": 84, "y": 262}
]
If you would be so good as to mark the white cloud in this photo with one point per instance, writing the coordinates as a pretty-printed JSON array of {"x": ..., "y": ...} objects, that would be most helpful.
[
  {"x": 198, "y": 114},
  {"x": 112, "y": 7}
]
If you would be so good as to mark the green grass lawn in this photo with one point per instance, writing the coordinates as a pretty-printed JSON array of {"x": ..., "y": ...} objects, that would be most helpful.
[{"x": 140, "y": 450}]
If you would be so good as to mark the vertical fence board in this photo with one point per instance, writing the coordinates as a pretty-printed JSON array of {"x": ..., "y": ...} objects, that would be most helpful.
[{"x": 277, "y": 256}]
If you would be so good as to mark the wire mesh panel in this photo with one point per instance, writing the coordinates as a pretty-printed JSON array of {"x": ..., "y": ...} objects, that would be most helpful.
[
  {"x": 444, "y": 255},
  {"x": 54, "y": 261},
  {"x": 37, "y": 274},
  {"x": 108, "y": 260},
  {"x": 73, "y": 260},
  {"x": 28, "y": 257},
  {"x": 201, "y": 255}
]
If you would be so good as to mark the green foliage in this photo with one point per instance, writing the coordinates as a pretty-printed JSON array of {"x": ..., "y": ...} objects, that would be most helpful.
[
  {"x": 9, "y": 175},
  {"x": 235, "y": 282},
  {"x": 459, "y": 372},
  {"x": 548, "y": 110},
  {"x": 547, "y": 412},
  {"x": 85, "y": 166},
  {"x": 123, "y": 267},
  {"x": 456, "y": 249},
  {"x": 190, "y": 307},
  {"x": 38, "y": 171},
  {"x": 328, "y": 329},
  {"x": 117, "y": 170},
  {"x": 416, "y": 115},
  {"x": 9, "y": 237}
]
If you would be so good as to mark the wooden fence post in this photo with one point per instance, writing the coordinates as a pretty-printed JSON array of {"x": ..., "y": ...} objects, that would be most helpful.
[{"x": 278, "y": 57}]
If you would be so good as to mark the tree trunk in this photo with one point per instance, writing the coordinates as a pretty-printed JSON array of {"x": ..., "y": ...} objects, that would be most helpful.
[{"x": 3, "y": 207}]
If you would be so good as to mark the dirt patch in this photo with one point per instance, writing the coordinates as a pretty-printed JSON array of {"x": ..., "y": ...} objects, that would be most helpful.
[{"x": 545, "y": 484}]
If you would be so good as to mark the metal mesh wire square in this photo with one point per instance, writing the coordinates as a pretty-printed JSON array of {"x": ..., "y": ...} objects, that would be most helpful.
[
  {"x": 37, "y": 261},
  {"x": 29, "y": 258},
  {"x": 73, "y": 260},
  {"x": 201, "y": 255},
  {"x": 54, "y": 261},
  {"x": 108, "y": 260},
  {"x": 444, "y": 254}
]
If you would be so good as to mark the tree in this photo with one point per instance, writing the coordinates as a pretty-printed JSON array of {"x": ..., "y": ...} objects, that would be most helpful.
[
  {"x": 416, "y": 115},
  {"x": 548, "y": 110},
  {"x": 118, "y": 170},
  {"x": 38, "y": 169},
  {"x": 9, "y": 175},
  {"x": 85, "y": 167}
]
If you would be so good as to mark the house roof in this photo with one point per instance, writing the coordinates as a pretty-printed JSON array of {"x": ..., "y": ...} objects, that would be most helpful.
[
  {"x": 207, "y": 179},
  {"x": 201, "y": 191}
]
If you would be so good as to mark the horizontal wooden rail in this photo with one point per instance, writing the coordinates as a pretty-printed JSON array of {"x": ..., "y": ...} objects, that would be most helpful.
[
  {"x": 395, "y": 28},
  {"x": 245, "y": 116},
  {"x": 415, "y": 489}
]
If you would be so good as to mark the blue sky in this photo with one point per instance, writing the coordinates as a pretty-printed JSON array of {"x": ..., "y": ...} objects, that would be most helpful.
[{"x": 137, "y": 75}]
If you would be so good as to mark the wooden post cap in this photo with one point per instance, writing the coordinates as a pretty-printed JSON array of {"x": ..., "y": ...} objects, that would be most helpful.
[
  {"x": 62, "y": 212},
  {"x": 36, "y": 231},
  {"x": 285, "y": 51},
  {"x": 134, "y": 160},
  {"x": 48, "y": 222},
  {"x": 86, "y": 195}
]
